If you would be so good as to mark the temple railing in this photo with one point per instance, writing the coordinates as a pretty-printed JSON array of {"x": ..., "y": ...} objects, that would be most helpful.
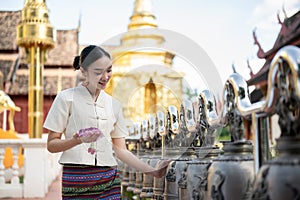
[{"x": 40, "y": 169}]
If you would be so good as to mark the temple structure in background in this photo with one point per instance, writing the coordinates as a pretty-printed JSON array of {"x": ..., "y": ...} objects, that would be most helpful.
[
  {"x": 133, "y": 68},
  {"x": 289, "y": 35},
  {"x": 135, "y": 65}
]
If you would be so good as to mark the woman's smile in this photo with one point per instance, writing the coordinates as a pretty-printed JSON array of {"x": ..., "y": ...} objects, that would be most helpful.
[{"x": 102, "y": 83}]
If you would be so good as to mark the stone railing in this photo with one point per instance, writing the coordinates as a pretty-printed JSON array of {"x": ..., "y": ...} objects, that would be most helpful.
[{"x": 40, "y": 169}]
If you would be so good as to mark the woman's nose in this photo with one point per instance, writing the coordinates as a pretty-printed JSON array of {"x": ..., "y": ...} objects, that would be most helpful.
[{"x": 105, "y": 76}]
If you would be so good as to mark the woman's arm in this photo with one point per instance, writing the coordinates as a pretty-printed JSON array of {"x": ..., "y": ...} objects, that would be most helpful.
[
  {"x": 131, "y": 160},
  {"x": 55, "y": 144}
]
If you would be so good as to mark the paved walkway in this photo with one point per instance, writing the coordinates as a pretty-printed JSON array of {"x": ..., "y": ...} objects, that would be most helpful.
[{"x": 54, "y": 192}]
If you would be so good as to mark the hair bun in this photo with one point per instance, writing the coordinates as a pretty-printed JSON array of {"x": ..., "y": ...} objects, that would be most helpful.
[{"x": 76, "y": 62}]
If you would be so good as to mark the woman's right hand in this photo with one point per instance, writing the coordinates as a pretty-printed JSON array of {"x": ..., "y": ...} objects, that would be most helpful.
[{"x": 88, "y": 135}]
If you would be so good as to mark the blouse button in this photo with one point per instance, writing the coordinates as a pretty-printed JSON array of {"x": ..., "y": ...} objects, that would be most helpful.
[{"x": 97, "y": 117}]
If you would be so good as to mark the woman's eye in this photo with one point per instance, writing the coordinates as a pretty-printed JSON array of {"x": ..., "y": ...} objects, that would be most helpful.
[{"x": 98, "y": 73}]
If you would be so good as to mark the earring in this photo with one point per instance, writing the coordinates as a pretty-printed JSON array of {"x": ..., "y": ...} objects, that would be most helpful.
[{"x": 86, "y": 83}]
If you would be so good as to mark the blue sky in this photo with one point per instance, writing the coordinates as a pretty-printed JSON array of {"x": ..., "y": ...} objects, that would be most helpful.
[{"x": 222, "y": 28}]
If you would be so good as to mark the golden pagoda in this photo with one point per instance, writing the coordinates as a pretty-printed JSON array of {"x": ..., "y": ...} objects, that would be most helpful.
[
  {"x": 140, "y": 58},
  {"x": 35, "y": 34}
]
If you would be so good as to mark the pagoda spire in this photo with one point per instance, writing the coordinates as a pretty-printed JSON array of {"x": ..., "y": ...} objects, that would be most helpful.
[
  {"x": 142, "y": 16},
  {"x": 35, "y": 34},
  {"x": 141, "y": 20}
]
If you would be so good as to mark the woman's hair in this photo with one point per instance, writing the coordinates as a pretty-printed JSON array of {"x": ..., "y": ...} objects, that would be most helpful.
[{"x": 89, "y": 55}]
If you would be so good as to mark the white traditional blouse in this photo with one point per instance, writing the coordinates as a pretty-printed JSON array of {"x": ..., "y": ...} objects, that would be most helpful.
[{"x": 74, "y": 109}]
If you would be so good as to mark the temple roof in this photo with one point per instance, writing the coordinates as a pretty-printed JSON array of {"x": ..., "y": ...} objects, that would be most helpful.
[
  {"x": 66, "y": 48},
  {"x": 5, "y": 67},
  {"x": 261, "y": 77},
  {"x": 289, "y": 35},
  {"x": 8, "y": 29}
]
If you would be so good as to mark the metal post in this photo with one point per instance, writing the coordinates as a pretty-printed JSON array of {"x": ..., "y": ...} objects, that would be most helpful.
[{"x": 35, "y": 93}]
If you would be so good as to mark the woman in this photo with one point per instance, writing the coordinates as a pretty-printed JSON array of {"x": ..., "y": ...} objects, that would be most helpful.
[{"x": 93, "y": 127}]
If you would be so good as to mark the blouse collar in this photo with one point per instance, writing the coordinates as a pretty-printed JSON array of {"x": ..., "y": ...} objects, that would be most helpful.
[{"x": 88, "y": 98}]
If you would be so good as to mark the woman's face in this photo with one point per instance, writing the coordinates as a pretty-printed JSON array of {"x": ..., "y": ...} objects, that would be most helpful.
[{"x": 99, "y": 73}]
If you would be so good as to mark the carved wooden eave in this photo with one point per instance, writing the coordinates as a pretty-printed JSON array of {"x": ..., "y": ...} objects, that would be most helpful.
[{"x": 289, "y": 35}]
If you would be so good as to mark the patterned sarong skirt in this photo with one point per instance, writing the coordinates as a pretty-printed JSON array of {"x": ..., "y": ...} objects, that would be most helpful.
[{"x": 90, "y": 182}]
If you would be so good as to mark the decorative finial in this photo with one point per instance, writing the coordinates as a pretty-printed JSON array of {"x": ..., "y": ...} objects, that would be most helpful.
[
  {"x": 35, "y": 28},
  {"x": 233, "y": 68},
  {"x": 260, "y": 53},
  {"x": 284, "y": 12},
  {"x": 284, "y": 29},
  {"x": 251, "y": 71}
]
